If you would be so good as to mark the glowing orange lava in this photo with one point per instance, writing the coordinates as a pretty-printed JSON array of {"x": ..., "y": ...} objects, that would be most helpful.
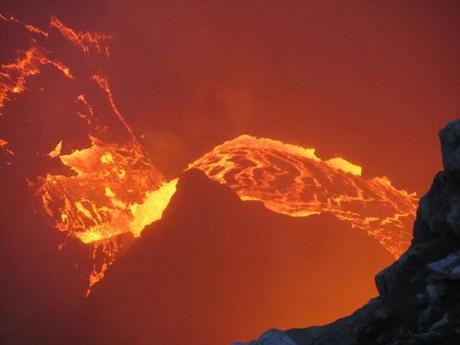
[
  {"x": 292, "y": 180},
  {"x": 86, "y": 41},
  {"x": 109, "y": 188},
  {"x": 13, "y": 76},
  {"x": 112, "y": 188}
]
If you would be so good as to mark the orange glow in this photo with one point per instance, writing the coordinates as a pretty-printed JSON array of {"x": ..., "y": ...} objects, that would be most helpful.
[
  {"x": 108, "y": 194},
  {"x": 36, "y": 30},
  {"x": 56, "y": 152},
  {"x": 95, "y": 205},
  {"x": 88, "y": 116},
  {"x": 292, "y": 180},
  {"x": 341, "y": 164},
  {"x": 114, "y": 189},
  {"x": 109, "y": 249},
  {"x": 103, "y": 83},
  {"x": 6, "y": 150},
  {"x": 86, "y": 41},
  {"x": 13, "y": 76},
  {"x": 219, "y": 168}
]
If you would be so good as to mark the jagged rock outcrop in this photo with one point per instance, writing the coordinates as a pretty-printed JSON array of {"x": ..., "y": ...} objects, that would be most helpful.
[{"x": 419, "y": 299}]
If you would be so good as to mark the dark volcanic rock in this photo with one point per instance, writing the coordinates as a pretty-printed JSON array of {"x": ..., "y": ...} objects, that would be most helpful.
[
  {"x": 450, "y": 145},
  {"x": 419, "y": 300},
  {"x": 215, "y": 269}
]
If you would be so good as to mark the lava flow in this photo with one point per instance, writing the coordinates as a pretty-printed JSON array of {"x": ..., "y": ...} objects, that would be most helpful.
[
  {"x": 113, "y": 188},
  {"x": 109, "y": 188},
  {"x": 293, "y": 181}
]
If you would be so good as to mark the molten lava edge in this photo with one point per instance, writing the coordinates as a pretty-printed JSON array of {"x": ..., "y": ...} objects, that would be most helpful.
[
  {"x": 117, "y": 190},
  {"x": 292, "y": 180}
]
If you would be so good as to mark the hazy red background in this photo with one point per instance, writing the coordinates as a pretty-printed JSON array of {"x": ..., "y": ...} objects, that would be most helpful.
[{"x": 370, "y": 81}]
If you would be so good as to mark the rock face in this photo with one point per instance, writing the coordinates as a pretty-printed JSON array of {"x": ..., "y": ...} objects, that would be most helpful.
[{"x": 419, "y": 299}]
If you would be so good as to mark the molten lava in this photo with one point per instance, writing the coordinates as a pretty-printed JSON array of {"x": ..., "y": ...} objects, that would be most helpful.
[
  {"x": 114, "y": 190},
  {"x": 112, "y": 187},
  {"x": 111, "y": 192},
  {"x": 292, "y": 180},
  {"x": 13, "y": 76},
  {"x": 86, "y": 41}
]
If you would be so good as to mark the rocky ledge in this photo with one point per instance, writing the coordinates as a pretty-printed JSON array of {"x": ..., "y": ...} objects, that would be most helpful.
[{"x": 419, "y": 294}]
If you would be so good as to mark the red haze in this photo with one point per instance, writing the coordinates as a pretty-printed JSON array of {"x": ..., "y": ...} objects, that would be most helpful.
[{"x": 371, "y": 82}]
